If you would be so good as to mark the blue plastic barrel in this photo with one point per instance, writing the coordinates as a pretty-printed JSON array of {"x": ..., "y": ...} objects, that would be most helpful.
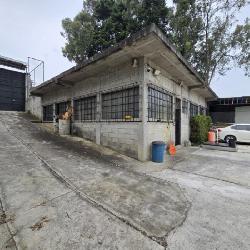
[{"x": 158, "y": 151}]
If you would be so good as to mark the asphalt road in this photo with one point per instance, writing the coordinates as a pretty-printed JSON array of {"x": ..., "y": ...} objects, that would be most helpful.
[{"x": 60, "y": 194}]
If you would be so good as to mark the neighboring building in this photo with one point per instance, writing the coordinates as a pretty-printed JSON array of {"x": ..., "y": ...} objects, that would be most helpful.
[
  {"x": 12, "y": 84},
  {"x": 230, "y": 110},
  {"x": 139, "y": 91}
]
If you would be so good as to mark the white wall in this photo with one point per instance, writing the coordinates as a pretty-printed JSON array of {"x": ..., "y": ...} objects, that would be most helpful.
[{"x": 242, "y": 114}]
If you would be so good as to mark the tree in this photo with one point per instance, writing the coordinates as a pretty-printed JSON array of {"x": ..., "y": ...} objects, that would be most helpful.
[
  {"x": 219, "y": 40},
  {"x": 186, "y": 26},
  {"x": 103, "y": 23},
  {"x": 206, "y": 32},
  {"x": 79, "y": 35}
]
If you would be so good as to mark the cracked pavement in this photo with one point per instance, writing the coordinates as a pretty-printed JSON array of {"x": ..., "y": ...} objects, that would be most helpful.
[{"x": 59, "y": 194}]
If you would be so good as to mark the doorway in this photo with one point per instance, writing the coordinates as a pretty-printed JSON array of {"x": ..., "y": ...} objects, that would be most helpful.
[{"x": 177, "y": 121}]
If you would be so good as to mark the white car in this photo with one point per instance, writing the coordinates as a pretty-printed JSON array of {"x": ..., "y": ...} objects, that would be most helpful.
[{"x": 236, "y": 132}]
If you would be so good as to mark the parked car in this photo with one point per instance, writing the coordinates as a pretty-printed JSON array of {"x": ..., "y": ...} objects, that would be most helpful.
[{"x": 235, "y": 132}]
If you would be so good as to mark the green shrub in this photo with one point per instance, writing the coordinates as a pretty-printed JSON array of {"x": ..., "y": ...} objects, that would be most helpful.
[{"x": 200, "y": 126}]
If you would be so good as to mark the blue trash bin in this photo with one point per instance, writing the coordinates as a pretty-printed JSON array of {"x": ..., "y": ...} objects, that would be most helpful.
[{"x": 158, "y": 151}]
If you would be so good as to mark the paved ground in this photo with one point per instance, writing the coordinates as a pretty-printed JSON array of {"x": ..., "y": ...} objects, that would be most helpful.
[{"x": 60, "y": 194}]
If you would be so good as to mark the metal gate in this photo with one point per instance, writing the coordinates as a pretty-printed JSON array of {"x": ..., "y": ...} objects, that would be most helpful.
[{"x": 12, "y": 90}]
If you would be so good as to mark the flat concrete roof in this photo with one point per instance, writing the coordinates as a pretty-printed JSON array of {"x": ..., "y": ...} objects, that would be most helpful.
[{"x": 150, "y": 43}]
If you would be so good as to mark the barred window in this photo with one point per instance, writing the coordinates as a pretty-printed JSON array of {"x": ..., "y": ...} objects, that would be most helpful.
[
  {"x": 160, "y": 105},
  {"x": 48, "y": 113},
  {"x": 121, "y": 105},
  {"x": 77, "y": 110},
  {"x": 203, "y": 110},
  {"x": 194, "y": 109},
  {"x": 184, "y": 106},
  {"x": 85, "y": 109},
  {"x": 61, "y": 108}
]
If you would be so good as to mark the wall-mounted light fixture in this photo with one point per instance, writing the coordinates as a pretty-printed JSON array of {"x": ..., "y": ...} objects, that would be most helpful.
[
  {"x": 135, "y": 62},
  {"x": 156, "y": 72}
]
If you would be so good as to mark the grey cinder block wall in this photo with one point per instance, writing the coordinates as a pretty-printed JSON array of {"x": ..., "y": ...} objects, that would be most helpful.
[{"x": 131, "y": 138}]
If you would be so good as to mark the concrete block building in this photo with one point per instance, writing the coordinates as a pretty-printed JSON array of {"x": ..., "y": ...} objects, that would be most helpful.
[{"x": 139, "y": 91}]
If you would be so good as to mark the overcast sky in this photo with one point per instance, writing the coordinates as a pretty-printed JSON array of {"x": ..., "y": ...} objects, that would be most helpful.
[{"x": 32, "y": 28}]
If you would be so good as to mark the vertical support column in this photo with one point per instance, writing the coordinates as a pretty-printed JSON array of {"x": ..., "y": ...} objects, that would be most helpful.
[
  {"x": 56, "y": 126},
  {"x": 72, "y": 106},
  {"x": 41, "y": 108},
  {"x": 143, "y": 138},
  {"x": 174, "y": 115},
  {"x": 54, "y": 114},
  {"x": 72, "y": 117},
  {"x": 98, "y": 119}
]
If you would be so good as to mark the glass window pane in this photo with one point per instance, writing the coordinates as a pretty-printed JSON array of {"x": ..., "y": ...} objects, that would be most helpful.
[
  {"x": 121, "y": 105},
  {"x": 159, "y": 105}
]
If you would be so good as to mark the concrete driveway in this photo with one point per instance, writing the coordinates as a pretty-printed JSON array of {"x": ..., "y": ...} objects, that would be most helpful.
[{"x": 60, "y": 194}]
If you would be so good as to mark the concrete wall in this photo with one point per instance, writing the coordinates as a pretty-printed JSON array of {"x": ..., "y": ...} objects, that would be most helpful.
[
  {"x": 158, "y": 132},
  {"x": 110, "y": 79},
  {"x": 85, "y": 129},
  {"x": 166, "y": 131},
  {"x": 121, "y": 136},
  {"x": 33, "y": 105},
  {"x": 131, "y": 138},
  {"x": 242, "y": 114}
]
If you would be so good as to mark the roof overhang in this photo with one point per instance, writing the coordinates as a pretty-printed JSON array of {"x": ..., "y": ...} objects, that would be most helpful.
[
  {"x": 150, "y": 43},
  {"x": 9, "y": 62}
]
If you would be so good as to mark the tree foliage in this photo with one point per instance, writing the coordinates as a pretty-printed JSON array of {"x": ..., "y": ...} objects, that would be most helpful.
[
  {"x": 200, "y": 126},
  {"x": 206, "y": 32}
]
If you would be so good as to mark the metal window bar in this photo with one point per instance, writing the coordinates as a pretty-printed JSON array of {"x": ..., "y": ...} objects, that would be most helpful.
[
  {"x": 121, "y": 105},
  {"x": 202, "y": 110},
  {"x": 194, "y": 110},
  {"x": 160, "y": 105},
  {"x": 61, "y": 108},
  {"x": 85, "y": 109},
  {"x": 48, "y": 113}
]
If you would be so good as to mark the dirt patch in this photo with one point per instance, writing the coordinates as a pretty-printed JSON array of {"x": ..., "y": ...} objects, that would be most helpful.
[
  {"x": 40, "y": 224},
  {"x": 6, "y": 218}
]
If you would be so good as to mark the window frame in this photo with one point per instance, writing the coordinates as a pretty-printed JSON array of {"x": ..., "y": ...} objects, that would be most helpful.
[
  {"x": 202, "y": 108},
  {"x": 191, "y": 109},
  {"x": 163, "y": 102},
  {"x": 85, "y": 109},
  {"x": 47, "y": 108},
  {"x": 61, "y": 108},
  {"x": 121, "y": 105}
]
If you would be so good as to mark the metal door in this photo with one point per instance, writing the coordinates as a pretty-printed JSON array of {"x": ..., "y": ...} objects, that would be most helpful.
[
  {"x": 12, "y": 90},
  {"x": 177, "y": 121}
]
